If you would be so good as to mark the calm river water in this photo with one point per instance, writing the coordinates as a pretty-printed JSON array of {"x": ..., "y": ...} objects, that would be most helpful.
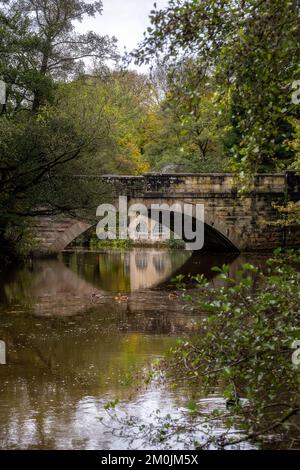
[{"x": 77, "y": 330}]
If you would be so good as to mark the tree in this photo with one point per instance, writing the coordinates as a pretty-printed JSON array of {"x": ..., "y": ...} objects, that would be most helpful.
[
  {"x": 40, "y": 158},
  {"x": 42, "y": 144},
  {"x": 251, "y": 50},
  {"x": 190, "y": 127},
  {"x": 51, "y": 160},
  {"x": 39, "y": 47},
  {"x": 115, "y": 105}
]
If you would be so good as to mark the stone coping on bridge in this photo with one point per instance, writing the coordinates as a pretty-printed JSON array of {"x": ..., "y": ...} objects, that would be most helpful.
[
  {"x": 191, "y": 175},
  {"x": 213, "y": 183}
]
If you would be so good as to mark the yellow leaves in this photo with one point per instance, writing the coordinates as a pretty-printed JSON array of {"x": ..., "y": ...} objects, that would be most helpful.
[
  {"x": 290, "y": 214},
  {"x": 132, "y": 155},
  {"x": 143, "y": 167},
  {"x": 152, "y": 122},
  {"x": 115, "y": 112}
]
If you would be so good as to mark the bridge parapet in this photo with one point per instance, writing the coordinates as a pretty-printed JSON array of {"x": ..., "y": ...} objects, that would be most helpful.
[{"x": 192, "y": 183}]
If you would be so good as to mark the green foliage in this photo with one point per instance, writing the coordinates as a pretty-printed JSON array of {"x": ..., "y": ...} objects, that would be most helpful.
[
  {"x": 115, "y": 105},
  {"x": 39, "y": 47},
  {"x": 39, "y": 153},
  {"x": 289, "y": 215},
  {"x": 43, "y": 141},
  {"x": 111, "y": 244},
  {"x": 40, "y": 51},
  {"x": 244, "y": 349},
  {"x": 250, "y": 50},
  {"x": 111, "y": 404},
  {"x": 188, "y": 131},
  {"x": 179, "y": 281},
  {"x": 174, "y": 244},
  {"x": 244, "y": 345}
]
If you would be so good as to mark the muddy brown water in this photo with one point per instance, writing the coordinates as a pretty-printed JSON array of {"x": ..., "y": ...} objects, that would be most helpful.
[{"x": 79, "y": 330}]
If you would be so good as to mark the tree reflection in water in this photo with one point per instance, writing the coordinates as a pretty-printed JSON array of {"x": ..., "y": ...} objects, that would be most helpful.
[{"x": 71, "y": 346}]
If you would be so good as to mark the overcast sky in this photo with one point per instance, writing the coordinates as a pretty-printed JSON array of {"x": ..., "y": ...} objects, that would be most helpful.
[{"x": 125, "y": 19}]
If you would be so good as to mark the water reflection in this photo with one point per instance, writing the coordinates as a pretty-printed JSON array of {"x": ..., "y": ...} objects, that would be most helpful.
[
  {"x": 130, "y": 271},
  {"x": 72, "y": 345}
]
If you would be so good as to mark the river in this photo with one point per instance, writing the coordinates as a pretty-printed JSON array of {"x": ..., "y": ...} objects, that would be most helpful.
[{"x": 80, "y": 331}]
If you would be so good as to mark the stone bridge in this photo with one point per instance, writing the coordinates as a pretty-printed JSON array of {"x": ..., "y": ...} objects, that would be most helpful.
[{"x": 233, "y": 221}]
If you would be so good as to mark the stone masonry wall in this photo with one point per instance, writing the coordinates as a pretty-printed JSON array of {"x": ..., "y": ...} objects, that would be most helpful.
[{"x": 246, "y": 220}]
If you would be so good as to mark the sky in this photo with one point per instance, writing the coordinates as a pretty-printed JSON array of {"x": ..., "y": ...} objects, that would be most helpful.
[{"x": 124, "y": 19}]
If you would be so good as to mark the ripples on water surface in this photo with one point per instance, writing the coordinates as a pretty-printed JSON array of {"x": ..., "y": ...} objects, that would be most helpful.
[{"x": 76, "y": 330}]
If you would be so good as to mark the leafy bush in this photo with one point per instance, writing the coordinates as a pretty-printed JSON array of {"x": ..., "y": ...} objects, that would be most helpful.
[{"x": 244, "y": 346}]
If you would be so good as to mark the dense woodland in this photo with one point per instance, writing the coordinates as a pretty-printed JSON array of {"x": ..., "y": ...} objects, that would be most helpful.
[
  {"x": 218, "y": 97},
  {"x": 222, "y": 94}
]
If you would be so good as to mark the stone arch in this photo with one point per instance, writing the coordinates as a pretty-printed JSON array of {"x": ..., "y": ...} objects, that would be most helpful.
[
  {"x": 218, "y": 236},
  {"x": 215, "y": 226},
  {"x": 68, "y": 235},
  {"x": 54, "y": 235}
]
